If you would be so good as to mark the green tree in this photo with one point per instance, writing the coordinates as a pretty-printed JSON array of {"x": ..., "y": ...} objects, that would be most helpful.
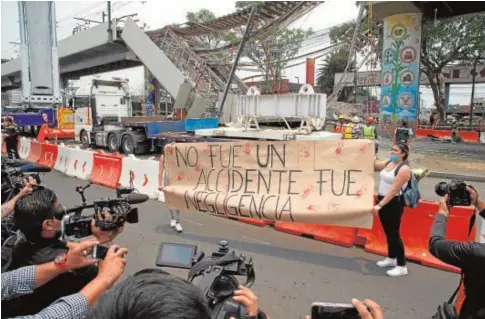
[
  {"x": 333, "y": 63},
  {"x": 273, "y": 54},
  {"x": 446, "y": 42},
  {"x": 211, "y": 40}
]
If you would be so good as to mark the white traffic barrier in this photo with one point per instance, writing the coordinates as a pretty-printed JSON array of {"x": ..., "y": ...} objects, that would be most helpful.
[
  {"x": 80, "y": 163},
  {"x": 24, "y": 148},
  {"x": 480, "y": 225},
  {"x": 142, "y": 173},
  {"x": 482, "y": 137},
  {"x": 63, "y": 157}
]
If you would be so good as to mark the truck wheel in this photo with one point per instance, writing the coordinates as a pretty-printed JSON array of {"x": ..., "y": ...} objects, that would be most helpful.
[
  {"x": 113, "y": 145},
  {"x": 128, "y": 145},
  {"x": 84, "y": 138}
]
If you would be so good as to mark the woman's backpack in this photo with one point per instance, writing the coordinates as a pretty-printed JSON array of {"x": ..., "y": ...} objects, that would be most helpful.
[{"x": 411, "y": 194}]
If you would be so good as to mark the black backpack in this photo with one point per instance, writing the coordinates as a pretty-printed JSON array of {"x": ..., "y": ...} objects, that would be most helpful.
[{"x": 402, "y": 134}]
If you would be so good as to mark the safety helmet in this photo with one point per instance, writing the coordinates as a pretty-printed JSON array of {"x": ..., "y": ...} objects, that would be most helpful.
[
  {"x": 370, "y": 120},
  {"x": 341, "y": 117},
  {"x": 356, "y": 119}
]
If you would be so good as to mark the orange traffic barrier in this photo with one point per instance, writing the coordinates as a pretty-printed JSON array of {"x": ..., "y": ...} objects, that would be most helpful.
[
  {"x": 467, "y": 136},
  {"x": 35, "y": 150},
  {"x": 48, "y": 154},
  {"x": 253, "y": 221},
  {"x": 342, "y": 236},
  {"x": 4, "y": 147},
  {"x": 415, "y": 231},
  {"x": 46, "y": 132},
  {"x": 470, "y": 136},
  {"x": 374, "y": 239},
  {"x": 457, "y": 228},
  {"x": 106, "y": 169}
]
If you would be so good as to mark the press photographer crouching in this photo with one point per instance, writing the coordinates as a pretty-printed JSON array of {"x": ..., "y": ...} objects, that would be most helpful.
[
  {"x": 25, "y": 280},
  {"x": 35, "y": 217},
  {"x": 468, "y": 256},
  {"x": 216, "y": 294}
]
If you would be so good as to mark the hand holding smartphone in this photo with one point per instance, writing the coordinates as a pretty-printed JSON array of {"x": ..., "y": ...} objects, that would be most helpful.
[
  {"x": 324, "y": 310},
  {"x": 357, "y": 310}
]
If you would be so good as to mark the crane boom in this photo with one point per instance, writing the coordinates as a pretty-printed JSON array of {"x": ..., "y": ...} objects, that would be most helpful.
[{"x": 38, "y": 54}]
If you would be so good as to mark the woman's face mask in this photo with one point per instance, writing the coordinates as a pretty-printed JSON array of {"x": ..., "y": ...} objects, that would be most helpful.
[{"x": 394, "y": 158}]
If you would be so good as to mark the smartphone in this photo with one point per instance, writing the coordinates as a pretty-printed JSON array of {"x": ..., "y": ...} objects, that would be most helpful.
[
  {"x": 323, "y": 310},
  {"x": 99, "y": 252}
]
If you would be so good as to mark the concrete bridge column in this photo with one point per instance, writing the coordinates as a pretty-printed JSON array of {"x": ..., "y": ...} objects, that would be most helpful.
[{"x": 400, "y": 63}]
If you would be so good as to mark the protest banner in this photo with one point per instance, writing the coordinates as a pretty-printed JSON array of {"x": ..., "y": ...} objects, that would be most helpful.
[{"x": 320, "y": 182}]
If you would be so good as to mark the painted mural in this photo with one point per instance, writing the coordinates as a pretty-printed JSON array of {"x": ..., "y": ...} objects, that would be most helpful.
[{"x": 400, "y": 67}]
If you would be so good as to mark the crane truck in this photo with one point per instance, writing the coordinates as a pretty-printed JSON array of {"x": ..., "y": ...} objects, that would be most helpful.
[{"x": 41, "y": 97}]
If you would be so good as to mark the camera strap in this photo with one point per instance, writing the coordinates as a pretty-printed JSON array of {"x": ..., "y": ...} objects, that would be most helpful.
[
  {"x": 202, "y": 265},
  {"x": 228, "y": 259}
]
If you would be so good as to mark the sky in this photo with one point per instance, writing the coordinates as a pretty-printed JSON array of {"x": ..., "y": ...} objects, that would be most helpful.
[{"x": 157, "y": 13}]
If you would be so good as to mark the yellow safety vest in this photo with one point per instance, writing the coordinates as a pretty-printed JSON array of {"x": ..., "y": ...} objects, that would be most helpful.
[
  {"x": 348, "y": 130},
  {"x": 369, "y": 132}
]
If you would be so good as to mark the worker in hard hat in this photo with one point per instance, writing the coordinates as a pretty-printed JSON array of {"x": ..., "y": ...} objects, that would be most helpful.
[
  {"x": 352, "y": 130},
  {"x": 339, "y": 127},
  {"x": 370, "y": 132}
]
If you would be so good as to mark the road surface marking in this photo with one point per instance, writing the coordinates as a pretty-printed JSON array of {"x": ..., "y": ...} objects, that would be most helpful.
[{"x": 256, "y": 240}]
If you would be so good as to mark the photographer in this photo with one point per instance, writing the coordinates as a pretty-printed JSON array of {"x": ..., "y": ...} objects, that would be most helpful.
[
  {"x": 160, "y": 295},
  {"x": 468, "y": 256},
  {"x": 8, "y": 221},
  {"x": 10, "y": 134},
  {"x": 35, "y": 217},
  {"x": 24, "y": 280}
]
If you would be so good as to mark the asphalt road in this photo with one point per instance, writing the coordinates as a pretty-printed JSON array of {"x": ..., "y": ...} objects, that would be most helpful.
[
  {"x": 425, "y": 146},
  {"x": 292, "y": 272}
]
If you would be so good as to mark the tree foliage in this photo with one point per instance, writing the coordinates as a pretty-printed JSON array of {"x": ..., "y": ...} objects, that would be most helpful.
[
  {"x": 273, "y": 54},
  {"x": 211, "y": 40},
  {"x": 446, "y": 42},
  {"x": 336, "y": 61}
]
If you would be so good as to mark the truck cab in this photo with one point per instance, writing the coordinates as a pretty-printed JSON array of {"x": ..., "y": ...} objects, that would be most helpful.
[{"x": 99, "y": 105}]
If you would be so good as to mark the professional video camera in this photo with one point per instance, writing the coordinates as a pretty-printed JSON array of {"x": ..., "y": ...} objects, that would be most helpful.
[
  {"x": 108, "y": 215},
  {"x": 14, "y": 175},
  {"x": 218, "y": 281},
  {"x": 458, "y": 195}
]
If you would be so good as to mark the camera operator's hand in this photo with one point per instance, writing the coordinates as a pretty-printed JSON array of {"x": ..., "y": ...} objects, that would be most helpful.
[
  {"x": 248, "y": 299},
  {"x": 105, "y": 236},
  {"x": 113, "y": 265},
  {"x": 368, "y": 309},
  {"x": 110, "y": 269},
  {"x": 76, "y": 256},
  {"x": 443, "y": 206},
  {"x": 476, "y": 200},
  {"x": 28, "y": 186}
]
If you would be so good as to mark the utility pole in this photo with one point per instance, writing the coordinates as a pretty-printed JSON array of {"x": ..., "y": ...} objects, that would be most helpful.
[
  {"x": 355, "y": 78},
  {"x": 474, "y": 74},
  {"x": 110, "y": 31},
  {"x": 249, "y": 26}
]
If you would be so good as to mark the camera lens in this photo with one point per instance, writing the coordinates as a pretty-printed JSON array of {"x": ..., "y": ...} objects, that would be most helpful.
[{"x": 441, "y": 189}]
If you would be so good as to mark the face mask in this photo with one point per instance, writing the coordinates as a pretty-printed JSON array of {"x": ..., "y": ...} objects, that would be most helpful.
[{"x": 394, "y": 158}]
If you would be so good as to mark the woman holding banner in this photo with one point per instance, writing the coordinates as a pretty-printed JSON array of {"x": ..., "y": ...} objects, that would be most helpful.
[
  {"x": 163, "y": 181},
  {"x": 394, "y": 176}
]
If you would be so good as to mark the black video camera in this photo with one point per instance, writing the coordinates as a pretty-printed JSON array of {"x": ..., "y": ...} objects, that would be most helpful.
[
  {"x": 458, "y": 195},
  {"x": 108, "y": 214},
  {"x": 14, "y": 175},
  {"x": 217, "y": 272}
]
